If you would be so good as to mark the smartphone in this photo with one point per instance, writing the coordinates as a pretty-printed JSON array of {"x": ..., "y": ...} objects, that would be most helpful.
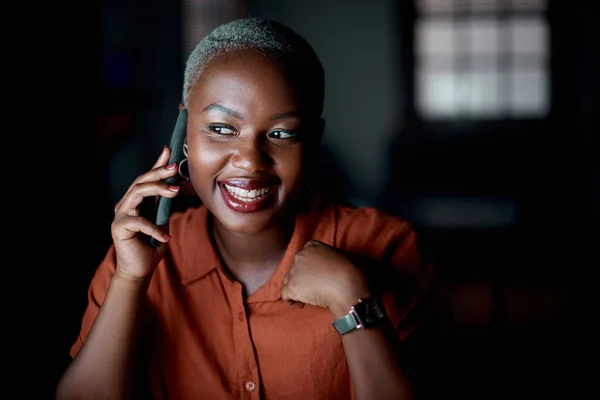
[{"x": 163, "y": 208}]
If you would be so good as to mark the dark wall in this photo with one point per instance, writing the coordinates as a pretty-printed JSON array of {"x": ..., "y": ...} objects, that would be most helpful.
[
  {"x": 60, "y": 213},
  {"x": 88, "y": 78}
]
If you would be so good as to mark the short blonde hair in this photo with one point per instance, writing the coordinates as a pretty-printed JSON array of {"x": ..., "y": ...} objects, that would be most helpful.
[{"x": 271, "y": 39}]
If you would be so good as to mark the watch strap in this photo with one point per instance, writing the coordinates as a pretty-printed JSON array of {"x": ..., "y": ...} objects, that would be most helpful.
[{"x": 346, "y": 323}]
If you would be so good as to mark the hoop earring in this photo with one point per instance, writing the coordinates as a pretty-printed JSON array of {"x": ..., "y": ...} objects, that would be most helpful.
[{"x": 183, "y": 164}]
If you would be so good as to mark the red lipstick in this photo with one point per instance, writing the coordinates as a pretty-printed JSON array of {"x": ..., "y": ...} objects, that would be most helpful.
[{"x": 248, "y": 195}]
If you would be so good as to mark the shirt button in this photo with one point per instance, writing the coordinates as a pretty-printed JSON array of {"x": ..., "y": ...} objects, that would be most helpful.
[
  {"x": 250, "y": 386},
  {"x": 241, "y": 316}
]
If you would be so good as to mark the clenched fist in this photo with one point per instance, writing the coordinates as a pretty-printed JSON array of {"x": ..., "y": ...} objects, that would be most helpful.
[{"x": 321, "y": 275}]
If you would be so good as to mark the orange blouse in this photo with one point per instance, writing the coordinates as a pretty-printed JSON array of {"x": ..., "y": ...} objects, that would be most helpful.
[{"x": 204, "y": 340}]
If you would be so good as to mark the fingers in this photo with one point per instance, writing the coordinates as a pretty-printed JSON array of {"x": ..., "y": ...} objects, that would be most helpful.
[
  {"x": 163, "y": 158},
  {"x": 129, "y": 228},
  {"x": 297, "y": 304},
  {"x": 130, "y": 204},
  {"x": 159, "y": 172},
  {"x": 285, "y": 290},
  {"x": 287, "y": 294}
]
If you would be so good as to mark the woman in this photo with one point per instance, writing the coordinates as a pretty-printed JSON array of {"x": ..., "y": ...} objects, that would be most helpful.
[{"x": 268, "y": 289}]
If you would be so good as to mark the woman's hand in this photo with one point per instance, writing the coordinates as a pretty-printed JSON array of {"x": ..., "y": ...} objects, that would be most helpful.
[
  {"x": 324, "y": 276},
  {"x": 136, "y": 258}
]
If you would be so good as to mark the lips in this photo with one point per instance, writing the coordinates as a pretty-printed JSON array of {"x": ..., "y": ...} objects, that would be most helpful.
[{"x": 248, "y": 195}]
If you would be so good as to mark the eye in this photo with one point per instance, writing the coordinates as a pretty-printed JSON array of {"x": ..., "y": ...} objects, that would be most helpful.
[
  {"x": 281, "y": 134},
  {"x": 221, "y": 129}
]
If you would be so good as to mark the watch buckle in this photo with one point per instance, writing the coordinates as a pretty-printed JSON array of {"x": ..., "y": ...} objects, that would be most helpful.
[{"x": 357, "y": 320}]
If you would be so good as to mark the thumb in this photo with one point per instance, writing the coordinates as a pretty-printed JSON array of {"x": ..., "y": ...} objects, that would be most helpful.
[{"x": 288, "y": 299}]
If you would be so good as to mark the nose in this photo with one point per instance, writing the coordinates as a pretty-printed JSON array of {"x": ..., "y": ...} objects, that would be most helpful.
[{"x": 250, "y": 156}]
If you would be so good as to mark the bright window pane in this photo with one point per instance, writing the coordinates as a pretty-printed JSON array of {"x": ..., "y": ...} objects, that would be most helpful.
[
  {"x": 483, "y": 36},
  {"x": 482, "y": 64},
  {"x": 529, "y": 93},
  {"x": 434, "y": 37},
  {"x": 462, "y": 92},
  {"x": 484, "y": 98},
  {"x": 528, "y": 36},
  {"x": 439, "y": 63},
  {"x": 435, "y": 94}
]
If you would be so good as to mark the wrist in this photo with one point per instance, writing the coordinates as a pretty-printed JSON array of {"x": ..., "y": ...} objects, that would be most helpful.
[
  {"x": 366, "y": 313},
  {"x": 134, "y": 279},
  {"x": 344, "y": 301}
]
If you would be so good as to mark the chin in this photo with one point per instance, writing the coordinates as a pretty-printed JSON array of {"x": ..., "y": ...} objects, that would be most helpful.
[
  {"x": 245, "y": 229},
  {"x": 243, "y": 223}
]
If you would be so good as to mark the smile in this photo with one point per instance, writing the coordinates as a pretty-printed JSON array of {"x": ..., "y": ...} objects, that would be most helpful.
[{"x": 248, "y": 196}]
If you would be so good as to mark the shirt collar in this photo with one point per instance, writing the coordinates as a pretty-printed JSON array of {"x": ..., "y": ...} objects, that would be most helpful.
[
  {"x": 308, "y": 225},
  {"x": 203, "y": 257}
]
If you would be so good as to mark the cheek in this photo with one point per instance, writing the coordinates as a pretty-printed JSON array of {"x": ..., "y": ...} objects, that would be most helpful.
[
  {"x": 205, "y": 157},
  {"x": 290, "y": 166},
  {"x": 205, "y": 162}
]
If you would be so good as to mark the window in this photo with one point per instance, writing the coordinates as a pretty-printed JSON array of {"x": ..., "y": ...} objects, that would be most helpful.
[{"x": 481, "y": 59}]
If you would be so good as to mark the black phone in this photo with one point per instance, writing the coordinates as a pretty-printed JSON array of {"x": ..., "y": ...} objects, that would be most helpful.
[{"x": 163, "y": 208}]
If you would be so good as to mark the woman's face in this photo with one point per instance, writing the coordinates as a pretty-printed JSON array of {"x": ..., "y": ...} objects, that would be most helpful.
[{"x": 245, "y": 153}]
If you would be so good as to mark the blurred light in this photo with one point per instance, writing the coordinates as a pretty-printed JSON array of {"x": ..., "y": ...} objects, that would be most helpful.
[
  {"x": 483, "y": 36},
  {"x": 529, "y": 92},
  {"x": 436, "y": 94},
  {"x": 465, "y": 213},
  {"x": 485, "y": 96},
  {"x": 481, "y": 59},
  {"x": 435, "y": 37},
  {"x": 528, "y": 35}
]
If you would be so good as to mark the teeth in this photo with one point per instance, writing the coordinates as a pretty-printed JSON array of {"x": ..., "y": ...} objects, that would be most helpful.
[{"x": 246, "y": 195}]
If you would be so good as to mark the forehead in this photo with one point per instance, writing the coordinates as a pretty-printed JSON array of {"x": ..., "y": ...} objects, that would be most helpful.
[{"x": 234, "y": 75}]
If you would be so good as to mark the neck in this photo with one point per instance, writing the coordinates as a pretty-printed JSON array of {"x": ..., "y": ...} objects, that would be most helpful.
[{"x": 252, "y": 251}]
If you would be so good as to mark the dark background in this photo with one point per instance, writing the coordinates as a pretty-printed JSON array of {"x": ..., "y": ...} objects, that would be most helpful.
[{"x": 96, "y": 99}]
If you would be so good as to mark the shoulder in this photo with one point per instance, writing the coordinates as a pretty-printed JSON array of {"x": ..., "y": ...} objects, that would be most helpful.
[
  {"x": 368, "y": 219},
  {"x": 189, "y": 235},
  {"x": 189, "y": 216},
  {"x": 184, "y": 225},
  {"x": 393, "y": 262},
  {"x": 365, "y": 228}
]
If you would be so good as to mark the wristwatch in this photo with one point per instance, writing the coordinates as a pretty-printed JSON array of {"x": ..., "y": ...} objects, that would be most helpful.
[{"x": 366, "y": 313}]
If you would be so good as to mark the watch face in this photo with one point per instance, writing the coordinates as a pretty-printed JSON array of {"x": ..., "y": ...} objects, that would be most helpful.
[{"x": 369, "y": 312}]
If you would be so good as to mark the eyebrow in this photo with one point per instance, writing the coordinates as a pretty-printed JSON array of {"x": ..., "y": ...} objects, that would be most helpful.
[
  {"x": 235, "y": 114},
  {"x": 294, "y": 113},
  {"x": 224, "y": 109}
]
